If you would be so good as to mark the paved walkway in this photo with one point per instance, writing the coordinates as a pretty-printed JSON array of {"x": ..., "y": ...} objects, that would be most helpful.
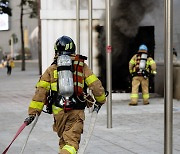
[{"x": 135, "y": 130}]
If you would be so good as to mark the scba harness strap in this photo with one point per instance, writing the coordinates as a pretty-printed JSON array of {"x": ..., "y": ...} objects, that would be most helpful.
[
  {"x": 79, "y": 87},
  {"x": 78, "y": 78},
  {"x": 140, "y": 65}
]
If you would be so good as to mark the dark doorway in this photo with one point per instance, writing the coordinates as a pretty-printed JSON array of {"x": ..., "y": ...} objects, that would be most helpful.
[{"x": 123, "y": 48}]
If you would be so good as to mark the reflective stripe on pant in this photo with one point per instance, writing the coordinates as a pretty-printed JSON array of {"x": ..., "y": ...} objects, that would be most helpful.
[
  {"x": 67, "y": 149},
  {"x": 137, "y": 80},
  {"x": 69, "y": 127}
]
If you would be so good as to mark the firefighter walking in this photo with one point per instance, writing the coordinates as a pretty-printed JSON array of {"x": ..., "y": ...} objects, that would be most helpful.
[
  {"x": 63, "y": 86},
  {"x": 140, "y": 67}
]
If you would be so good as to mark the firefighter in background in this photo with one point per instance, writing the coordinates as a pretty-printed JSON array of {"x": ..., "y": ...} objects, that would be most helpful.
[
  {"x": 140, "y": 67},
  {"x": 63, "y": 84}
]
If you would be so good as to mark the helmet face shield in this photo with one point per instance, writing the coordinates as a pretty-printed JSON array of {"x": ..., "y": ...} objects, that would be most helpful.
[{"x": 64, "y": 46}]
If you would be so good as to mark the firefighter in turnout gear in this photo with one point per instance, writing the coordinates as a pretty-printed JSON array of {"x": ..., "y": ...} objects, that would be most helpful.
[
  {"x": 140, "y": 67},
  {"x": 62, "y": 88}
]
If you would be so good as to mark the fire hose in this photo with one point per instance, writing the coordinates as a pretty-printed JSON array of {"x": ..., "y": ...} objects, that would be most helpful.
[
  {"x": 24, "y": 146},
  {"x": 90, "y": 130},
  {"x": 18, "y": 132}
]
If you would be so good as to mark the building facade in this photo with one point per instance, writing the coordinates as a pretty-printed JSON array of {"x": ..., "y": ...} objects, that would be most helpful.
[{"x": 59, "y": 18}]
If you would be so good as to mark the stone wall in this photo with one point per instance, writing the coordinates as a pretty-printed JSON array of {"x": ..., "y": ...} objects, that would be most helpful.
[{"x": 159, "y": 79}]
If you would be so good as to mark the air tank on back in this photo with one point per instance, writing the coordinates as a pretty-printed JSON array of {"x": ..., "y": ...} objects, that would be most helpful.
[
  {"x": 65, "y": 76},
  {"x": 143, "y": 60}
]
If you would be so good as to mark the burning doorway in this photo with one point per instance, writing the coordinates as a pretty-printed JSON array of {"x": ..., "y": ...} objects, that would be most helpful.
[{"x": 122, "y": 52}]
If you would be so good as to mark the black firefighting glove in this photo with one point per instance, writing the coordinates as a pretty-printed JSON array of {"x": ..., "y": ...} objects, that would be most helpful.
[
  {"x": 97, "y": 107},
  {"x": 29, "y": 119}
]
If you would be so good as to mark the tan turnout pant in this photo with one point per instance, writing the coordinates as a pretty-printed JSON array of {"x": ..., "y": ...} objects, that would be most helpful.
[
  {"x": 69, "y": 127},
  {"x": 136, "y": 82}
]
